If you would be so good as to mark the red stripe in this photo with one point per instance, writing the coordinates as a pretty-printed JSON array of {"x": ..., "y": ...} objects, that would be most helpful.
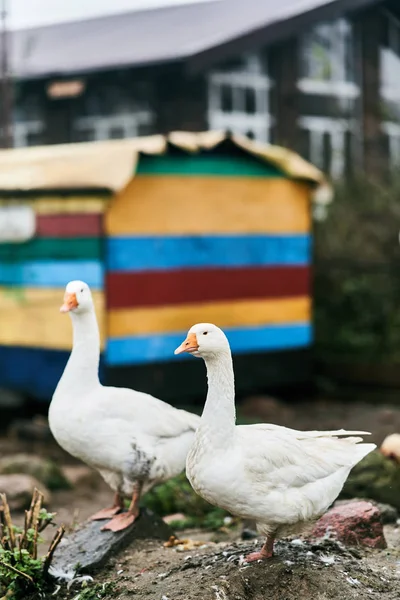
[
  {"x": 71, "y": 225},
  {"x": 160, "y": 288}
]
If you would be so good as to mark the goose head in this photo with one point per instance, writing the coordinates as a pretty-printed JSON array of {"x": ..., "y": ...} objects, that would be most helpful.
[
  {"x": 77, "y": 298},
  {"x": 204, "y": 340}
]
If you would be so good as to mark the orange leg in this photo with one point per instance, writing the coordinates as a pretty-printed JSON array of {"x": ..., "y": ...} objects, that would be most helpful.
[
  {"x": 107, "y": 513},
  {"x": 266, "y": 551},
  {"x": 125, "y": 519}
]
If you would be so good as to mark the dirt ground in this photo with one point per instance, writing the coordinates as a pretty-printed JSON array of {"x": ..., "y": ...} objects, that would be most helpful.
[
  {"x": 215, "y": 570},
  {"x": 310, "y": 571}
]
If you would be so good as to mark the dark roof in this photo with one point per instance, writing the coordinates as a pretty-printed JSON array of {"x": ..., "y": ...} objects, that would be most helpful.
[{"x": 173, "y": 33}]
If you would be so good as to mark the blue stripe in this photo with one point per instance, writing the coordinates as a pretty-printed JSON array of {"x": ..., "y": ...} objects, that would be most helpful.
[
  {"x": 51, "y": 273},
  {"x": 147, "y": 349},
  {"x": 147, "y": 253},
  {"x": 33, "y": 371}
]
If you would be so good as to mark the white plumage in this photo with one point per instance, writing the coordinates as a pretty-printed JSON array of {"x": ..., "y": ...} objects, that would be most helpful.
[
  {"x": 133, "y": 439},
  {"x": 279, "y": 477}
]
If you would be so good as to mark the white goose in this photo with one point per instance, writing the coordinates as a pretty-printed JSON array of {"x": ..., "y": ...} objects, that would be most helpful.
[
  {"x": 279, "y": 477},
  {"x": 133, "y": 439}
]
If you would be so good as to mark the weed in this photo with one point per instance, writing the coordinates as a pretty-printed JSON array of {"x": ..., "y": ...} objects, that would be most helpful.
[
  {"x": 22, "y": 572},
  {"x": 94, "y": 592},
  {"x": 177, "y": 496}
]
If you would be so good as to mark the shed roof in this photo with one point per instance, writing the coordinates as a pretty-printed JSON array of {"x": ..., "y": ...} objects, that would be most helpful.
[
  {"x": 186, "y": 32},
  {"x": 112, "y": 163}
]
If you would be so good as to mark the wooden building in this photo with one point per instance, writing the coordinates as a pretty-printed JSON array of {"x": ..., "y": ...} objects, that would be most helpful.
[
  {"x": 167, "y": 232},
  {"x": 320, "y": 77}
]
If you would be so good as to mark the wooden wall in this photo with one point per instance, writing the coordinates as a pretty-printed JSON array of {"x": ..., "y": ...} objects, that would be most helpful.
[
  {"x": 208, "y": 238},
  {"x": 35, "y": 339}
]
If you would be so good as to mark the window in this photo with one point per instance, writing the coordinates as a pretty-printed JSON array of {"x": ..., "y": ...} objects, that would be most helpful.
[
  {"x": 28, "y": 133},
  {"x": 238, "y": 99},
  {"x": 390, "y": 86},
  {"x": 117, "y": 126},
  {"x": 327, "y": 60},
  {"x": 28, "y": 121},
  {"x": 113, "y": 109},
  {"x": 328, "y": 141},
  {"x": 392, "y": 130},
  {"x": 327, "y": 77}
]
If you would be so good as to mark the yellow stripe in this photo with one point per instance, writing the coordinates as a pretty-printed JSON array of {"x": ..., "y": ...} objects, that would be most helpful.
[
  {"x": 57, "y": 205},
  {"x": 179, "y": 205},
  {"x": 31, "y": 317},
  {"x": 139, "y": 321}
]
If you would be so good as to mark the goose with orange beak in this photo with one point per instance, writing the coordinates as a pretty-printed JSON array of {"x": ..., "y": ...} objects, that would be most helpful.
[
  {"x": 279, "y": 477},
  {"x": 133, "y": 439}
]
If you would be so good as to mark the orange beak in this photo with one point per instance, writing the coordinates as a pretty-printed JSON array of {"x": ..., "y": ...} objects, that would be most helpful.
[
  {"x": 70, "y": 302},
  {"x": 189, "y": 345}
]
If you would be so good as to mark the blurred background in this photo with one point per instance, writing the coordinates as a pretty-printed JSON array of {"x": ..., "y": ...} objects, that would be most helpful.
[{"x": 297, "y": 259}]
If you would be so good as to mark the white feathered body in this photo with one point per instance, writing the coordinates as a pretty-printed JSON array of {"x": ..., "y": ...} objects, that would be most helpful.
[
  {"x": 128, "y": 436},
  {"x": 279, "y": 477}
]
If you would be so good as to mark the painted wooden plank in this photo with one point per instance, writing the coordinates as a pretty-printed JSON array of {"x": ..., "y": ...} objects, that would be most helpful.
[
  {"x": 178, "y": 206},
  {"x": 153, "y": 348},
  {"x": 161, "y": 288},
  {"x": 207, "y": 164},
  {"x": 51, "y": 273},
  {"x": 138, "y": 321},
  {"x": 31, "y": 317},
  {"x": 44, "y": 248},
  {"x": 158, "y": 253},
  {"x": 69, "y": 225},
  {"x": 53, "y": 205},
  {"x": 33, "y": 371},
  {"x": 17, "y": 224}
]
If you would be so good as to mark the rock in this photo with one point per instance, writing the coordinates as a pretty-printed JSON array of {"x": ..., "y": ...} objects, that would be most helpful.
[
  {"x": 19, "y": 489},
  {"x": 353, "y": 524},
  {"x": 89, "y": 547},
  {"x": 44, "y": 470},
  {"x": 249, "y": 529},
  {"x": 10, "y": 399},
  {"x": 81, "y": 476},
  {"x": 248, "y": 534},
  {"x": 391, "y": 447},
  {"x": 265, "y": 408},
  {"x": 376, "y": 478},
  {"x": 389, "y": 514},
  {"x": 175, "y": 517},
  {"x": 36, "y": 429},
  {"x": 387, "y": 416}
]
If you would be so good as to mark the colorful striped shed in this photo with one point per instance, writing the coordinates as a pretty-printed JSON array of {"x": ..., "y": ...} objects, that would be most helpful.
[{"x": 199, "y": 228}]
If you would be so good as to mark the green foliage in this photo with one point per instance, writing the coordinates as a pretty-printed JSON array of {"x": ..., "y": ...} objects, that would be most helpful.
[
  {"x": 22, "y": 572},
  {"x": 356, "y": 276},
  {"x": 211, "y": 520},
  {"x": 375, "y": 478},
  {"x": 177, "y": 496},
  {"x": 94, "y": 592}
]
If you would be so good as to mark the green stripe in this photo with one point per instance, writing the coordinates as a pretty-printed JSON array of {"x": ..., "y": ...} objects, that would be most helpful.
[
  {"x": 206, "y": 164},
  {"x": 52, "y": 248}
]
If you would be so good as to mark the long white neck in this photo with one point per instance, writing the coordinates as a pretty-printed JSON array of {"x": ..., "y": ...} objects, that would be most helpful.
[
  {"x": 82, "y": 370},
  {"x": 219, "y": 416}
]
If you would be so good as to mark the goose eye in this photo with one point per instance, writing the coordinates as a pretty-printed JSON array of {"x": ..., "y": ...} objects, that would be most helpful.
[
  {"x": 205, "y": 332},
  {"x": 82, "y": 290}
]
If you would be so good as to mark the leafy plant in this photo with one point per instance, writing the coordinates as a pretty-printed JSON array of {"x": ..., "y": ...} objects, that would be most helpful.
[
  {"x": 215, "y": 519},
  {"x": 177, "y": 496},
  {"x": 356, "y": 266},
  {"x": 99, "y": 590},
  {"x": 22, "y": 571}
]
